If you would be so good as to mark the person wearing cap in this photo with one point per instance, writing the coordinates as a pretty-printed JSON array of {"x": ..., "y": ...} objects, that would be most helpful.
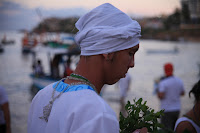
[
  {"x": 170, "y": 89},
  {"x": 108, "y": 40}
]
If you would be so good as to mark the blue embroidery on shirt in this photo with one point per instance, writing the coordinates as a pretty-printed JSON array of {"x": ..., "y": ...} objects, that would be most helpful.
[{"x": 61, "y": 86}]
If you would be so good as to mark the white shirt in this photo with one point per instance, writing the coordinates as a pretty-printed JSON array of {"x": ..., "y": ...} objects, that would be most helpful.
[
  {"x": 81, "y": 111},
  {"x": 3, "y": 100},
  {"x": 197, "y": 128},
  {"x": 172, "y": 87}
]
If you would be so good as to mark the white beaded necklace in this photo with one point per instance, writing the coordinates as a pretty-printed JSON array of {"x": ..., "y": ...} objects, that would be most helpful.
[{"x": 48, "y": 107}]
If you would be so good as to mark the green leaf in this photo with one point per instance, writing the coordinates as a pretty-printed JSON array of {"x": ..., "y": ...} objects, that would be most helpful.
[{"x": 139, "y": 101}]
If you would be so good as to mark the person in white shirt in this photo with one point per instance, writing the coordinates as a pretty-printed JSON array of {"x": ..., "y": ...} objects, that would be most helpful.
[
  {"x": 170, "y": 89},
  {"x": 38, "y": 68},
  {"x": 124, "y": 86},
  {"x": 108, "y": 40}
]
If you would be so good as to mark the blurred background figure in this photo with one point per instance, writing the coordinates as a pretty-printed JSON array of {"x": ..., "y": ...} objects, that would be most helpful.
[
  {"x": 191, "y": 120},
  {"x": 169, "y": 91},
  {"x": 4, "y": 112},
  {"x": 55, "y": 66},
  {"x": 124, "y": 86},
  {"x": 156, "y": 83},
  {"x": 38, "y": 68},
  {"x": 68, "y": 69}
]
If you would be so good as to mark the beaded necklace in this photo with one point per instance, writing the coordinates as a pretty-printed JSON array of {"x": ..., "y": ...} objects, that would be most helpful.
[
  {"x": 77, "y": 77},
  {"x": 48, "y": 107}
]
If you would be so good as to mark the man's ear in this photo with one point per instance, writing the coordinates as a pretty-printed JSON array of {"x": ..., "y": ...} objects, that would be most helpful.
[
  {"x": 109, "y": 56},
  {"x": 105, "y": 56}
]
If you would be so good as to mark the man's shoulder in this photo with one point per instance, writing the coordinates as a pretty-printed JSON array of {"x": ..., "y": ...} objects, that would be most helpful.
[
  {"x": 179, "y": 80},
  {"x": 164, "y": 80},
  {"x": 43, "y": 92},
  {"x": 171, "y": 78},
  {"x": 50, "y": 86},
  {"x": 96, "y": 102},
  {"x": 183, "y": 125}
]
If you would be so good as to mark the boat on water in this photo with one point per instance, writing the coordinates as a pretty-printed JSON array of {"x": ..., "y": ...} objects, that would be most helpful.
[
  {"x": 175, "y": 50},
  {"x": 29, "y": 41},
  {"x": 57, "y": 55},
  {"x": 6, "y": 41}
]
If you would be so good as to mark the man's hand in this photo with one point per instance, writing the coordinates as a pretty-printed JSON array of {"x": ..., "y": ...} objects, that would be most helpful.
[{"x": 142, "y": 130}]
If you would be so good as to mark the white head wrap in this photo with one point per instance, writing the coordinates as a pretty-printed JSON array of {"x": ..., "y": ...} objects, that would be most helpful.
[{"x": 106, "y": 29}]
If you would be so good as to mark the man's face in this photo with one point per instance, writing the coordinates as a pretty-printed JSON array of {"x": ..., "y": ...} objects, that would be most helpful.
[{"x": 122, "y": 61}]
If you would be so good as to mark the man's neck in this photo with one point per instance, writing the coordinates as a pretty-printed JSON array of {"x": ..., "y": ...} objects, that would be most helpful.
[
  {"x": 91, "y": 69},
  {"x": 169, "y": 76}
]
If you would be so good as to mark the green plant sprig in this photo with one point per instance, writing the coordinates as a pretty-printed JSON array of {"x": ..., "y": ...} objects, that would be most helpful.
[{"x": 140, "y": 115}]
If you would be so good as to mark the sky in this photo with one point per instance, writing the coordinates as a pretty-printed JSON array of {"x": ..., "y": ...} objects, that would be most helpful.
[{"x": 22, "y": 14}]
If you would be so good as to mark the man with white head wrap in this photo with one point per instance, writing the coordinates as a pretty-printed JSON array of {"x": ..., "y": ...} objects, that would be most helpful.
[{"x": 108, "y": 40}]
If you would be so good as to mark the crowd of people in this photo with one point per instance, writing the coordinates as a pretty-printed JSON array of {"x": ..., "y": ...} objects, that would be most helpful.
[{"x": 108, "y": 39}]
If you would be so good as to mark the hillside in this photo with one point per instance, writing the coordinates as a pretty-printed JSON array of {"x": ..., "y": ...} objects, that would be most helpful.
[{"x": 177, "y": 33}]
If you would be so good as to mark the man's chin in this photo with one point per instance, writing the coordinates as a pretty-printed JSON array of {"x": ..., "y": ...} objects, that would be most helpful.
[{"x": 112, "y": 82}]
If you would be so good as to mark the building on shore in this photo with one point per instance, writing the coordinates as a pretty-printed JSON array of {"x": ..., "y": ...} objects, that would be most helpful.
[{"x": 191, "y": 10}]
